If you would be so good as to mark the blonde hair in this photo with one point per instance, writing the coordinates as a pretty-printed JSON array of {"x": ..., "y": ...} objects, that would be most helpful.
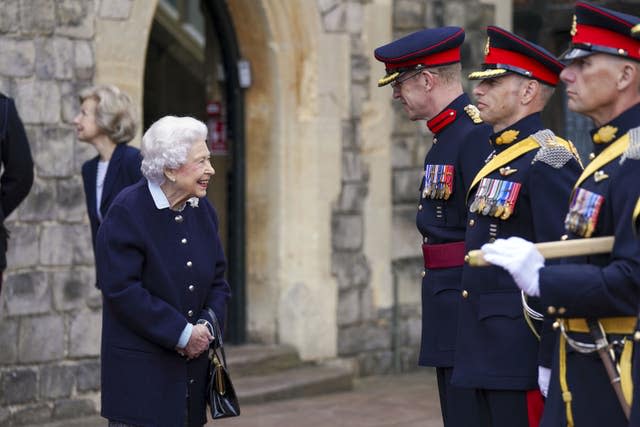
[{"x": 115, "y": 113}]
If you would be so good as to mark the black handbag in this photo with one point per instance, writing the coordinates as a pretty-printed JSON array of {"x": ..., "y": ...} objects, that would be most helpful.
[{"x": 221, "y": 395}]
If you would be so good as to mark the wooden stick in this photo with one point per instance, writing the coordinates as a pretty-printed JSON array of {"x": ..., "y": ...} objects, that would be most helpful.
[{"x": 557, "y": 249}]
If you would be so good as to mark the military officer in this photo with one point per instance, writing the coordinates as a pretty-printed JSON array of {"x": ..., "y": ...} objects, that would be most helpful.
[
  {"x": 423, "y": 70},
  {"x": 600, "y": 294},
  {"x": 520, "y": 191}
]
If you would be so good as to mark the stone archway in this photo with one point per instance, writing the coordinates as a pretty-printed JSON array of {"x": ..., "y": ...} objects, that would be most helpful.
[{"x": 293, "y": 126}]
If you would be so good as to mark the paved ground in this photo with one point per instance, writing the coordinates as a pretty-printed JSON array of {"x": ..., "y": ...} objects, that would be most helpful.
[{"x": 407, "y": 400}]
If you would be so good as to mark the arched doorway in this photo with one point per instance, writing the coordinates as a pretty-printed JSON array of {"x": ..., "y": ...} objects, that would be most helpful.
[{"x": 192, "y": 69}]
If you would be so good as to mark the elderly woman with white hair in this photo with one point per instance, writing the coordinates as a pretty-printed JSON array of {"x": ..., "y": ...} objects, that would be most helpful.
[
  {"x": 107, "y": 121},
  {"x": 160, "y": 267}
]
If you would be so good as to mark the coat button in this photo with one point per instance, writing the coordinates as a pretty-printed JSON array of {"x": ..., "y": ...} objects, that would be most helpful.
[
  {"x": 191, "y": 288},
  {"x": 183, "y": 241},
  {"x": 636, "y": 336},
  {"x": 592, "y": 156},
  {"x": 189, "y": 264},
  {"x": 556, "y": 325},
  {"x": 419, "y": 207},
  {"x": 562, "y": 310},
  {"x": 192, "y": 381},
  {"x": 564, "y": 237},
  {"x": 465, "y": 294},
  {"x": 190, "y": 313},
  {"x": 426, "y": 239},
  {"x": 472, "y": 222},
  {"x": 551, "y": 310},
  {"x": 424, "y": 273},
  {"x": 179, "y": 218}
]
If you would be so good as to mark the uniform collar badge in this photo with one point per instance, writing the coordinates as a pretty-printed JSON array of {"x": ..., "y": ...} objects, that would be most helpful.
[
  {"x": 605, "y": 134},
  {"x": 507, "y": 137},
  {"x": 473, "y": 113}
]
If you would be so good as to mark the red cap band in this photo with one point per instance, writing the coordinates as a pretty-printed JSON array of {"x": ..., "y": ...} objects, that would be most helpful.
[
  {"x": 502, "y": 56},
  {"x": 587, "y": 34}
]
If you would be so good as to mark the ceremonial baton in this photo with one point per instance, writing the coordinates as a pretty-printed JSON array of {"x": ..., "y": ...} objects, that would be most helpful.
[{"x": 557, "y": 249}]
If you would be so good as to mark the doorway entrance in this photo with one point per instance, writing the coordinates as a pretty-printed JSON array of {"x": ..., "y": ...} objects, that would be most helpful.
[{"x": 191, "y": 70}]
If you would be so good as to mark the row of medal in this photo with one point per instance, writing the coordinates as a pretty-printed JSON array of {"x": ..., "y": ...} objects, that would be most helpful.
[
  {"x": 438, "y": 181},
  {"x": 495, "y": 198},
  {"x": 583, "y": 212}
]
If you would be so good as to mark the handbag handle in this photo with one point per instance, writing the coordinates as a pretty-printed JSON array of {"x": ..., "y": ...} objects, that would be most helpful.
[{"x": 217, "y": 340}]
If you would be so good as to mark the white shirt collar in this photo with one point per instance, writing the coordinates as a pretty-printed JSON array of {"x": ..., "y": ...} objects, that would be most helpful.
[
  {"x": 158, "y": 196},
  {"x": 161, "y": 201}
]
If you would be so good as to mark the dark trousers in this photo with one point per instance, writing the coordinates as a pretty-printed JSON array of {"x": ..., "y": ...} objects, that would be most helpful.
[
  {"x": 509, "y": 408},
  {"x": 459, "y": 406}
]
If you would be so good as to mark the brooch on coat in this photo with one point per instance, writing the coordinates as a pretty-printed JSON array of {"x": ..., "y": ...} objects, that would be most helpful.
[
  {"x": 496, "y": 198},
  {"x": 193, "y": 202},
  {"x": 584, "y": 209},
  {"x": 438, "y": 181}
]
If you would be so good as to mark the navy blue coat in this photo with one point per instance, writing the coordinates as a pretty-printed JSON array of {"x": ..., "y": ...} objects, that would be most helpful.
[
  {"x": 601, "y": 286},
  {"x": 17, "y": 167},
  {"x": 464, "y": 145},
  {"x": 123, "y": 170},
  {"x": 496, "y": 349},
  {"x": 158, "y": 270}
]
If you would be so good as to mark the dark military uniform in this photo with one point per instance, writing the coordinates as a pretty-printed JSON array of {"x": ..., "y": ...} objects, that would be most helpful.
[
  {"x": 603, "y": 287},
  {"x": 522, "y": 191},
  {"x": 460, "y": 145}
]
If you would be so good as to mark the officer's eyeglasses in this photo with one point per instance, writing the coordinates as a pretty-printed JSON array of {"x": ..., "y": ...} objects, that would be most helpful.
[{"x": 397, "y": 83}]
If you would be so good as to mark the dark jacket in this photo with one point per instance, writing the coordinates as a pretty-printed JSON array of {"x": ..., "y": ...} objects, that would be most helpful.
[
  {"x": 158, "y": 269},
  {"x": 495, "y": 349},
  {"x": 17, "y": 164},
  {"x": 123, "y": 170},
  {"x": 462, "y": 145}
]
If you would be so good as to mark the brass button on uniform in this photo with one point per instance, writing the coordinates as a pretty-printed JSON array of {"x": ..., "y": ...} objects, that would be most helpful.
[
  {"x": 189, "y": 264},
  {"x": 592, "y": 156},
  {"x": 192, "y": 381},
  {"x": 636, "y": 336},
  {"x": 191, "y": 288},
  {"x": 183, "y": 241},
  {"x": 564, "y": 237},
  {"x": 424, "y": 273},
  {"x": 426, "y": 239},
  {"x": 551, "y": 310},
  {"x": 190, "y": 313},
  {"x": 562, "y": 310},
  {"x": 465, "y": 294},
  {"x": 556, "y": 325},
  {"x": 472, "y": 222},
  {"x": 419, "y": 207},
  {"x": 178, "y": 218}
]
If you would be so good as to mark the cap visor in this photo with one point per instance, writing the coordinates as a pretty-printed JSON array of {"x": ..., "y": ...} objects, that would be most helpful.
[
  {"x": 574, "y": 53},
  {"x": 487, "y": 74}
]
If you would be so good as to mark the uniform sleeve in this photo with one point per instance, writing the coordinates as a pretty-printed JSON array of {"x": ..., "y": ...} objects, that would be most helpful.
[
  {"x": 17, "y": 178},
  {"x": 588, "y": 290},
  {"x": 120, "y": 256},
  {"x": 219, "y": 290}
]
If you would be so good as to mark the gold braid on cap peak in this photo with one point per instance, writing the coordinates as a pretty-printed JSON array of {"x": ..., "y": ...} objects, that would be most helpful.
[
  {"x": 388, "y": 79},
  {"x": 635, "y": 31},
  {"x": 487, "y": 74}
]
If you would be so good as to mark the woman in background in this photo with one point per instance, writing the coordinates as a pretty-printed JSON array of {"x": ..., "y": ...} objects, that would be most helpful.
[
  {"x": 161, "y": 267},
  {"x": 107, "y": 120}
]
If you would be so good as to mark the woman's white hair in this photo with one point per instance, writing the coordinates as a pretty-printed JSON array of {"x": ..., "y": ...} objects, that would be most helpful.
[
  {"x": 166, "y": 144},
  {"x": 115, "y": 112}
]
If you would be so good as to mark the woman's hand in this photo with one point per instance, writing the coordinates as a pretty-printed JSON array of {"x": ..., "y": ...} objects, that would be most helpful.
[{"x": 198, "y": 342}]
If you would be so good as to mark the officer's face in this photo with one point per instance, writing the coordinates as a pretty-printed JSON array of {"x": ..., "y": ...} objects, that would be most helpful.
[
  {"x": 86, "y": 127},
  {"x": 412, "y": 92},
  {"x": 591, "y": 85},
  {"x": 497, "y": 100}
]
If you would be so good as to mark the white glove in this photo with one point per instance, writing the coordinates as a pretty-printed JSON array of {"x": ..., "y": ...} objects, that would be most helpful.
[
  {"x": 520, "y": 258},
  {"x": 544, "y": 374}
]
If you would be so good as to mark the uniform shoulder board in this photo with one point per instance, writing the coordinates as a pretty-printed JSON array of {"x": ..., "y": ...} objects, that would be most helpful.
[
  {"x": 554, "y": 151},
  {"x": 633, "y": 150},
  {"x": 473, "y": 113}
]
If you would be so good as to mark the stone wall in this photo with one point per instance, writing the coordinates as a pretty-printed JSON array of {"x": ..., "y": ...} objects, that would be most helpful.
[
  {"x": 50, "y": 311},
  {"x": 382, "y": 338}
]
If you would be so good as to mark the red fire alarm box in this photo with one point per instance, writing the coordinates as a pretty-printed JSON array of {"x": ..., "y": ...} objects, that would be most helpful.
[{"x": 217, "y": 129}]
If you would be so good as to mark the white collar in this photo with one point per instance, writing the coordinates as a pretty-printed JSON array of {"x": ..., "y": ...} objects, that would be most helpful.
[{"x": 161, "y": 201}]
